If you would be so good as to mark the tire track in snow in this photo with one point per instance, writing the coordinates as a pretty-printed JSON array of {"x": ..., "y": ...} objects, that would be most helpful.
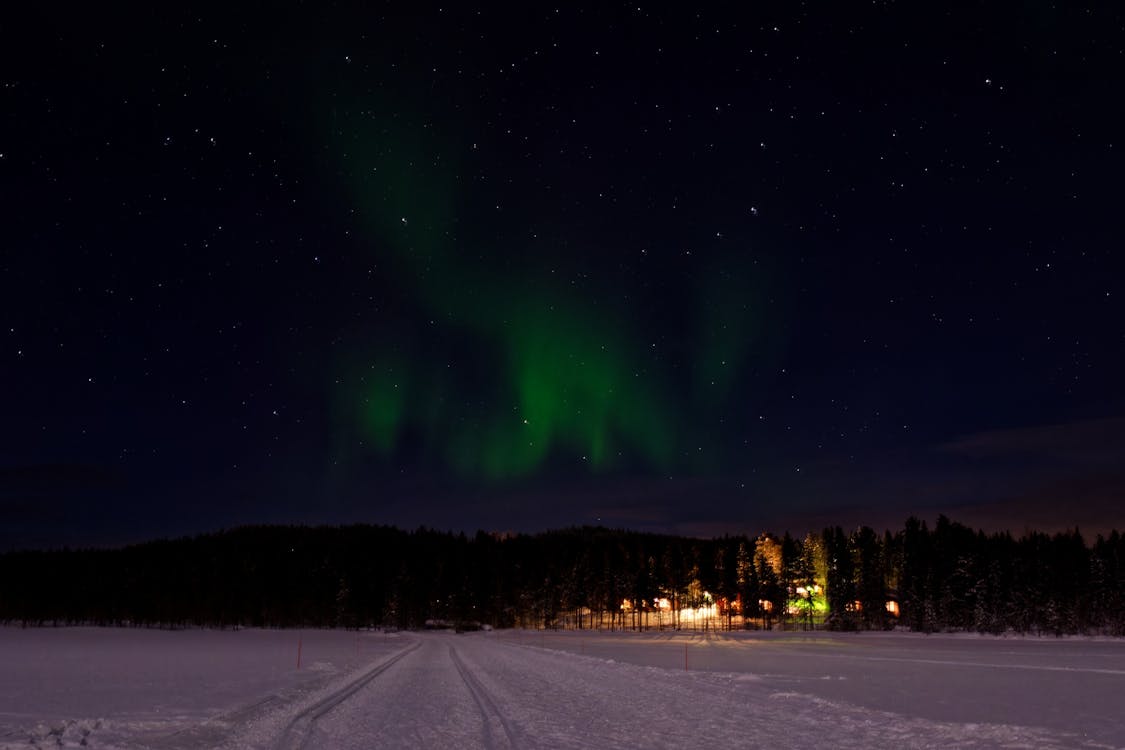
[
  {"x": 986, "y": 665},
  {"x": 298, "y": 731},
  {"x": 492, "y": 716}
]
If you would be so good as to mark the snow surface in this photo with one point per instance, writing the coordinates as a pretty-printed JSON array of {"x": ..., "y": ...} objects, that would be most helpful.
[
  {"x": 126, "y": 687},
  {"x": 121, "y": 688}
]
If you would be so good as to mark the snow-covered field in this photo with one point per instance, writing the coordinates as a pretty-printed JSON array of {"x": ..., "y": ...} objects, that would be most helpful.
[
  {"x": 133, "y": 687},
  {"x": 242, "y": 689}
]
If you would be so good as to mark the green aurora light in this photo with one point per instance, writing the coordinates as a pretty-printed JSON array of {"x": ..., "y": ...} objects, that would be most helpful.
[{"x": 560, "y": 376}]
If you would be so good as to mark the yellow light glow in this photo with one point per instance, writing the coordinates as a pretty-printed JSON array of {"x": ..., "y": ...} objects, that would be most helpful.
[{"x": 699, "y": 614}]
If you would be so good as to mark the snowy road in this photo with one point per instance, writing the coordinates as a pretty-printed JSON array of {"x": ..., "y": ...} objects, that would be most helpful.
[
  {"x": 495, "y": 692},
  {"x": 430, "y": 699},
  {"x": 561, "y": 690}
]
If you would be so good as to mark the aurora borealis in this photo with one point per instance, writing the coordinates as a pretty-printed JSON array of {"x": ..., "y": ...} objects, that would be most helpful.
[
  {"x": 522, "y": 364},
  {"x": 519, "y": 268},
  {"x": 555, "y": 376}
]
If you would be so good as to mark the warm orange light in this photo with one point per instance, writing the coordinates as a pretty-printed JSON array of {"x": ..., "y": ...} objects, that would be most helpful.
[{"x": 698, "y": 614}]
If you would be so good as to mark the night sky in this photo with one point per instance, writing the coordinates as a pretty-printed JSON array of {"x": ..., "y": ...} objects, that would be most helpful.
[{"x": 694, "y": 271}]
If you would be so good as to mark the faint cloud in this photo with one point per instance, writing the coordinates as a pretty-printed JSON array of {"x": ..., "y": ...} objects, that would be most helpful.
[
  {"x": 1091, "y": 441},
  {"x": 1046, "y": 477},
  {"x": 1092, "y": 503}
]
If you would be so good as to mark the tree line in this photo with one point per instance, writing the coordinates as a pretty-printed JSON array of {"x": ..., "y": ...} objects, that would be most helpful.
[{"x": 943, "y": 578}]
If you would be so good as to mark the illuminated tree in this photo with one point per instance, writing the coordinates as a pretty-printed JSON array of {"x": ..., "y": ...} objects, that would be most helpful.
[
  {"x": 747, "y": 583},
  {"x": 771, "y": 593}
]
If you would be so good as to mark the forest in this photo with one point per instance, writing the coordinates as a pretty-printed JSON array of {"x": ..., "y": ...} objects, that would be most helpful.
[{"x": 947, "y": 577}]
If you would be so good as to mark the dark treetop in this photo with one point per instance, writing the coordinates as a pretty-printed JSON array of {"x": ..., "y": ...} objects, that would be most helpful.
[{"x": 947, "y": 578}]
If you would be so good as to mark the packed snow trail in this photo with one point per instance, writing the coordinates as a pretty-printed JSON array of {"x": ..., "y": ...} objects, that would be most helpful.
[
  {"x": 482, "y": 691},
  {"x": 126, "y": 689},
  {"x": 300, "y": 728},
  {"x": 421, "y": 701},
  {"x": 492, "y": 715}
]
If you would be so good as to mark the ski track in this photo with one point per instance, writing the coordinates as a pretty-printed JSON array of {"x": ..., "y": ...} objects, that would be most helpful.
[
  {"x": 520, "y": 691},
  {"x": 300, "y": 728},
  {"x": 492, "y": 715},
  {"x": 980, "y": 665}
]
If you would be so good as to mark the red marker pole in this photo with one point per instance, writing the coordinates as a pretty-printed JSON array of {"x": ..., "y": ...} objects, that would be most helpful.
[
  {"x": 685, "y": 658},
  {"x": 298, "y": 652}
]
